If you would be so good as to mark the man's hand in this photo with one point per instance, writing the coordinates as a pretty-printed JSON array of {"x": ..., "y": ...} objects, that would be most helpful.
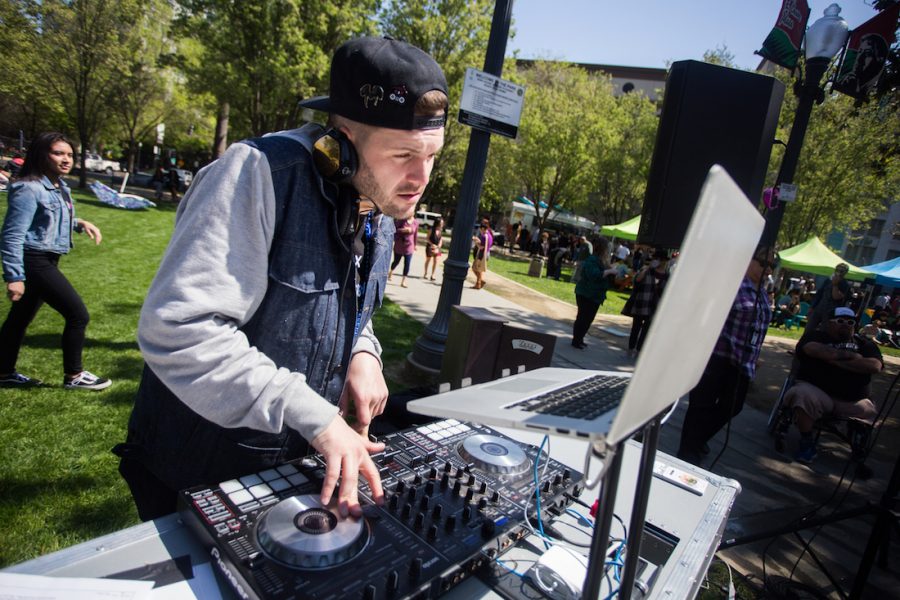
[
  {"x": 365, "y": 392},
  {"x": 346, "y": 456},
  {"x": 15, "y": 290}
]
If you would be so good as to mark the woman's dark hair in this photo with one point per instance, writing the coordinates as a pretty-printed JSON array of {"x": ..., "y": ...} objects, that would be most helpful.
[{"x": 37, "y": 159}]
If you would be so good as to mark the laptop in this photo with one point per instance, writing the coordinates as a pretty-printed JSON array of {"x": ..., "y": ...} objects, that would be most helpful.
[{"x": 717, "y": 249}]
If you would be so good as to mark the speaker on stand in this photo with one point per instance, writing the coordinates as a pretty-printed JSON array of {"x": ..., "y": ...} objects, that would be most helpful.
[{"x": 710, "y": 115}]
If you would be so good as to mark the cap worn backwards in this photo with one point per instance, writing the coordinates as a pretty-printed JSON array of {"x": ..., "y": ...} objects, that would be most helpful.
[
  {"x": 843, "y": 311},
  {"x": 377, "y": 81}
]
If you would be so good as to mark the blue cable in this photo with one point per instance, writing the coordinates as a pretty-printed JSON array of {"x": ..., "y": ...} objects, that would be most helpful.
[
  {"x": 508, "y": 568},
  {"x": 537, "y": 491},
  {"x": 580, "y": 517}
]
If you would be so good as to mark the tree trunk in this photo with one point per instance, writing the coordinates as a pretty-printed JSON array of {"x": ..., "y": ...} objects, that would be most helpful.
[{"x": 220, "y": 143}]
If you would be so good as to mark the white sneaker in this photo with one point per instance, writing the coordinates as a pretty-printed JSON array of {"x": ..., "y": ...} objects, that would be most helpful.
[{"x": 87, "y": 381}]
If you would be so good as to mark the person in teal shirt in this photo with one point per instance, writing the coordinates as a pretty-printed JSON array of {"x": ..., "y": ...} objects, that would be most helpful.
[{"x": 590, "y": 291}]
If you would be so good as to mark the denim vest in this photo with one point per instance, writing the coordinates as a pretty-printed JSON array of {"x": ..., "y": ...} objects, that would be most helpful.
[{"x": 306, "y": 323}]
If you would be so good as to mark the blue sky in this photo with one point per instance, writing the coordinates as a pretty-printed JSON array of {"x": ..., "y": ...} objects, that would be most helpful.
[{"x": 648, "y": 33}]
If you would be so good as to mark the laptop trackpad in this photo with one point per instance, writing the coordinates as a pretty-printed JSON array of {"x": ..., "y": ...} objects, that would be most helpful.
[{"x": 520, "y": 385}]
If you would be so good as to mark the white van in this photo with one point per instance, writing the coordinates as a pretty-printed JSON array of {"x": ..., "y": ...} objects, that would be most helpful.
[{"x": 426, "y": 219}]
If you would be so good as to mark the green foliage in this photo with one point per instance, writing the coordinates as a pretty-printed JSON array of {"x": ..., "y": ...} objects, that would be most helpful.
[
  {"x": 24, "y": 102},
  {"x": 77, "y": 53},
  {"x": 263, "y": 57},
  {"x": 622, "y": 161},
  {"x": 455, "y": 33},
  {"x": 848, "y": 169},
  {"x": 564, "y": 122}
]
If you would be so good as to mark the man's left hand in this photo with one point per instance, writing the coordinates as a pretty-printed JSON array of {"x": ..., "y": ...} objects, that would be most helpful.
[{"x": 365, "y": 392}]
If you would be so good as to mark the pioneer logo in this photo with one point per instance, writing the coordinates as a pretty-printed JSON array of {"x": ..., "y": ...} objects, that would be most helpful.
[
  {"x": 530, "y": 346},
  {"x": 226, "y": 570}
]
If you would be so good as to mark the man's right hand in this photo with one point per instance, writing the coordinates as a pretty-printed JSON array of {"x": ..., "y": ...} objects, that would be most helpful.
[
  {"x": 15, "y": 290},
  {"x": 346, "y": 455}
]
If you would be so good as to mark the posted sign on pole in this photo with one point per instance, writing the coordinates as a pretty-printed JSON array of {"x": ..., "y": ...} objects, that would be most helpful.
[{"x": 491, "y": 104}]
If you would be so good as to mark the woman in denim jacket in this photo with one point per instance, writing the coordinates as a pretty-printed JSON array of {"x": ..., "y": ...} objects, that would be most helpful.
[{"x": 37, "y": 230}]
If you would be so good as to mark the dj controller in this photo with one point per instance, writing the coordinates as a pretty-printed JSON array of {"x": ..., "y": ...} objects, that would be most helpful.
[{"x": 456, "y": 495}]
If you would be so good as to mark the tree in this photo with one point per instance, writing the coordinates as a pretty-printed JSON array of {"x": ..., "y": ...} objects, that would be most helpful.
[
  {"x": 563, "y": 123},
  {"x": 142, "y": 89},
  {"x": 81, "y": 42},
  {"x": 24, "y": 102},
  {"x": 263, "y": 57},
  {"x": 455, "y": 34},
  {"x": 848, "y": 170},
  {"x": 622, "y": 162}
]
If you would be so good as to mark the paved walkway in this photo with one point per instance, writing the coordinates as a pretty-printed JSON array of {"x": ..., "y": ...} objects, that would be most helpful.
[{"x": 774, "y": 488}]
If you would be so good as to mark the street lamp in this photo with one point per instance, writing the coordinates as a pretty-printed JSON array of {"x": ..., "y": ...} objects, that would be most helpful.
[{"x": 824, "y": 39}]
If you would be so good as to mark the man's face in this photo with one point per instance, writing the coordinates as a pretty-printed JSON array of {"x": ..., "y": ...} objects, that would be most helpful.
[
  {"x": 840, "y": 273},
  {"x": 841, "y": 328},
  {"x": 760, "y": 266},
  {"x": 394, "y": 166}
]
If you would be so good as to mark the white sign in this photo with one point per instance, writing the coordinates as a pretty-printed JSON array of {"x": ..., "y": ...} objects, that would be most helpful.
[
  {"x": 787, "y": 192},
  {"x": 491, "y": 104},
  {"x": 528, "y": 345},
  {"x": 160, "y": 133}
]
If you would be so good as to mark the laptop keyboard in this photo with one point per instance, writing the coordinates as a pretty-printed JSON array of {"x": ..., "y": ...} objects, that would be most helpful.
[{"x": 587, "y": 399}]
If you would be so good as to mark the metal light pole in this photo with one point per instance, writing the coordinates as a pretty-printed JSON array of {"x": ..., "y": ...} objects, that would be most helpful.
[
  {"x": 428, "y": 351},
  {"x": 823, "y": 41}
]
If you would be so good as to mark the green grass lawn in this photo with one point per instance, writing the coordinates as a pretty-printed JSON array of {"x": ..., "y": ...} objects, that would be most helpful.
[
  {"x": 516, "y": 269},
  {"x": 58, "y": 479}
]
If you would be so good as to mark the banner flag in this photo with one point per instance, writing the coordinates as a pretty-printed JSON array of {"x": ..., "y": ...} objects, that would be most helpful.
[
  {"x": 782, "y": 46},
  {"x": 866, "y": 53}
]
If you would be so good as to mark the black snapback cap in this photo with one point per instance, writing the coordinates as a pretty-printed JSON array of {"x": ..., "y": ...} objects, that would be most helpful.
[{"x": 377, "y": 81}]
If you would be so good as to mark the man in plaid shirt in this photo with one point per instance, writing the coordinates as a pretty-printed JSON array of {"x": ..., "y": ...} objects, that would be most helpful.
[{"x": 720, "y": 394}]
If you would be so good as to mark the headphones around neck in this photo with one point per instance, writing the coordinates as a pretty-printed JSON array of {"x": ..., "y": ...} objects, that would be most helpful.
[{"x": 335, "y": 156}]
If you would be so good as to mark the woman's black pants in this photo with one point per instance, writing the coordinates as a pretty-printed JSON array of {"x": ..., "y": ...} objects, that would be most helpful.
[{"x": 44, "y": 282}]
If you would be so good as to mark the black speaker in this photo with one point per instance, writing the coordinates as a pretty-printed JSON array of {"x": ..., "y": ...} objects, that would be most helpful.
[{"x": 710, "y": 115}]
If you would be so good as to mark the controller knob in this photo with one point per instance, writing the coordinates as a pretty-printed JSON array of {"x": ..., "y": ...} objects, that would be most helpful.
[{"x": 393, "y": 581}]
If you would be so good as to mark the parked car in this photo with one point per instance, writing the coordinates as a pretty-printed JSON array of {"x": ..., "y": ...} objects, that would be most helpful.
[{"x": 95, "y": 162}]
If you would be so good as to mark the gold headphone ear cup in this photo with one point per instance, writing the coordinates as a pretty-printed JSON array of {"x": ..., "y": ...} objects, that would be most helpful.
[{"x": 327, "y": 156}]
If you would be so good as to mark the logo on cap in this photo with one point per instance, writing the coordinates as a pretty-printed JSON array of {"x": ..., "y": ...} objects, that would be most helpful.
[
  {"x": 399, "y": 93},
  {"x": 371, "y": 93}
]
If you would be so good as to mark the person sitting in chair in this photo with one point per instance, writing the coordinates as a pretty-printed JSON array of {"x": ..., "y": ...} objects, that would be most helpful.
[{"x": 835, "y": 369}]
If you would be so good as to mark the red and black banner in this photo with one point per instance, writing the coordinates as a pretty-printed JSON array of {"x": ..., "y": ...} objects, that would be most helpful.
[
  {"x": 782, "y": 46},
  {"x": 866, "y": 52}
]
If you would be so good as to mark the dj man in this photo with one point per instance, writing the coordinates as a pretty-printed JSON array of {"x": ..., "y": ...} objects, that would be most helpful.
[{"x": 256, "y": 331}]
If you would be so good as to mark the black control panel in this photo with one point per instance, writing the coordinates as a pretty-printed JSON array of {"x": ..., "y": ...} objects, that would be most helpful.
[{"x": 455, "y": 498}]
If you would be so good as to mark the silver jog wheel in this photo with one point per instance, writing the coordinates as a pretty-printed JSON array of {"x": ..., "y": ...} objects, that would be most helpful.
[{"x": 303, "y": 533}]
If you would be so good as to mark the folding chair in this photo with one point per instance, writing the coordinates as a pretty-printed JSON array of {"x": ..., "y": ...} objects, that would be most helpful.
[{"x": 854, "y": 433}]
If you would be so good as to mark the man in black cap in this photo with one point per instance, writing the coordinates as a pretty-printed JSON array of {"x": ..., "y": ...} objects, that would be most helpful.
[
  {"x": 833, "y": 376},
  {"x": 256, "y": 331}
]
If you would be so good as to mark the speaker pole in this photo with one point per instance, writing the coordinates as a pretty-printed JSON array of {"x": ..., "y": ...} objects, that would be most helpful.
[{"x": 428, "y": 351}]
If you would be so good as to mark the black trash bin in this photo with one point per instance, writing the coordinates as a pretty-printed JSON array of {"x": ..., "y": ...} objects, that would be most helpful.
[
  {"x": 473, "y": 339},
  {"x": 522, "y": 350}
]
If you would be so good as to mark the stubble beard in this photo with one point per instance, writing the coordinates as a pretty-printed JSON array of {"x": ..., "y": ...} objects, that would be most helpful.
[{"x": 368, "y": 187}]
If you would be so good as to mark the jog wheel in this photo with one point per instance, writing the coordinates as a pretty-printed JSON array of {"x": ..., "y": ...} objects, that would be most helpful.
[
  {"x": 494, "y": 455},
  {"x": 301, "y": 532}
]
